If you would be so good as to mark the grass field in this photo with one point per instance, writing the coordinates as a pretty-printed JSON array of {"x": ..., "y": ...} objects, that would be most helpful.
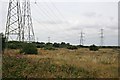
[{"x": 61, "y": 63}]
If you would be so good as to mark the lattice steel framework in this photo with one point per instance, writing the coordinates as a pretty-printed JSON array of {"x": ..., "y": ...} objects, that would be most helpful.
[
  {"x": 13, "y": 25},
  {"x": 81, "y": 38},
  {"x": 19, "y": 25},
  {"x": 27, "y": 26},
  {"x": 101, "y": 37}
]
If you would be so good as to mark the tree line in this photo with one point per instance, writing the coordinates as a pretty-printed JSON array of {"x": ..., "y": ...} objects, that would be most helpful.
[{"x": 47, "y": 46}]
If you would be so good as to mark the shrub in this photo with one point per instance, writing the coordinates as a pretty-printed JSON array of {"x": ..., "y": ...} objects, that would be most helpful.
[
  {"x": 63, "y": 45},
  {"x": 80, "y": 46},
  {"x": 72, "y": 47},
  {"x": 49, "y": 48},
  {"x": 93, "y": 48},
  {"x": 29, "y": 48},
  {"x": 40, "y": 44},
  {"x": 57, "y": 45},
  {"x": 14, "y": 45}
]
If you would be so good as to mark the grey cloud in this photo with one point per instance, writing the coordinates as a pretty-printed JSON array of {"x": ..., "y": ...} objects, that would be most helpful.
[
  {"x": 79, "y": 27},
  {"x": 53, "y": 22},
  {"x": 90, "y": 14},
  {"x": 112, "y": 27},
  {"x": 111, "y": 18}
]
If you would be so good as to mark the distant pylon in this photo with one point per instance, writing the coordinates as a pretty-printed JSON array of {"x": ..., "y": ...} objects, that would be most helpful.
[
  {"x": 101, "y": 37},
  {"x": 27, "y": 26},
  {"x": 48, "y": 39},
  {"x": 81, "y": 38},
  {"x": 13, "y": 25}
]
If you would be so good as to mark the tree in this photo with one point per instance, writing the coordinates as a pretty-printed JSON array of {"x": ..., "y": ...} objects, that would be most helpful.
[
  {"x": 40, "y": 44},
  {"x": 63, "y": 45},
  {"x": 72, "y": 47},
  {"x": 57, "y": 45},
  {"x": 93, "y": 48}
]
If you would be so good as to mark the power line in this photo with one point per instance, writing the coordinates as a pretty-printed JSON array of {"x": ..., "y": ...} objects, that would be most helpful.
[
  {"x": 39, "y": 12},
  {"x": 53, "y": 15},
  {"x": 58, "y": 10},
  {"x": 52, "y": 12},
  {"x": 44, "y": 13},
  {"x": 42, "y": 25}
]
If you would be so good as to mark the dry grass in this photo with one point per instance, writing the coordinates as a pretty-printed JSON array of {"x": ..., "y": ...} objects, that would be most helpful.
[{"x": 80, "y": 63}]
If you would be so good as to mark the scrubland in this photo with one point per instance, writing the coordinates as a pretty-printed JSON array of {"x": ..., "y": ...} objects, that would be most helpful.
[{"x": 61, "y": 63}]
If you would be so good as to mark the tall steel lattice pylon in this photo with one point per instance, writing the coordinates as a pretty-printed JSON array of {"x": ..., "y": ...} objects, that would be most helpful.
[
  {"x": 101, "y": 38},
  {"x": 81, "y": 38},
  {"x": 19, "y": 25},
  {"x": 27, "y": 26},
  {"x": 13, "y": 25}
]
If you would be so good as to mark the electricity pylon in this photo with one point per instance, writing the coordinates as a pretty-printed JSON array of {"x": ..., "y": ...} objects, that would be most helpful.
[
  {"x": 81, "y": 38},
  {"x": 27, "y": 26},
  {"x": 13, "y": 25},
  {"x": 19, "y": 25},
  {"x": 101, "y": 38},
  {"x": 49, "y": 39}
]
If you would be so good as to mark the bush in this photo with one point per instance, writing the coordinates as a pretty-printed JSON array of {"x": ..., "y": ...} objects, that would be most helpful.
[
  {"x": 40, "y": 44},
  {"x": 63, "y": 45},
  {"x": 49, "y": 48},
  {"x": 57, "y": 45},
  {"x": 29, "y": 48},
  {"x": 72, "y": 47},
  {"x": 14, "y": 45},
  {"x": 93, "y": 48}
]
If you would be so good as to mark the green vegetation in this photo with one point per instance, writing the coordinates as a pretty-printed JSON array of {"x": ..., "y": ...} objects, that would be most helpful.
[
  {"x": 52, "y": 46},
  {"x": 13, "y": 67},
  {"x": 93, "y": 48},
  {"x": 3, "y": 41},
  {"x": 23, "y": 67},
  {"x": 49, "y": 46},
  {"x": 14, "y": 45},
  {"x": 40, "y": 44},
  {"x": 61, "y": 63},
  {"x": 72, "y": 47},
  {"x": 57, "y": 45},
  {"x": 29, "y": 48}
]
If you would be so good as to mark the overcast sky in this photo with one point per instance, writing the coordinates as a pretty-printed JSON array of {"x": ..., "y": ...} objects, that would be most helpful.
[{"x": 63, "y": 20}]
